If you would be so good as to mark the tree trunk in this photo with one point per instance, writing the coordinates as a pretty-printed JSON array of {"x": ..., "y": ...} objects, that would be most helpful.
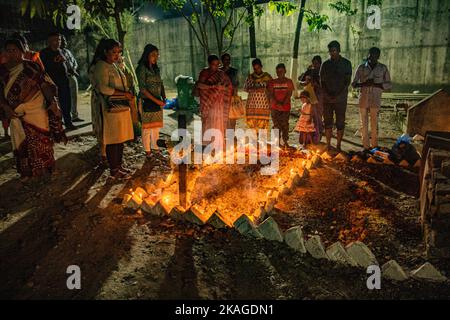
[
  {"x": 296, "y": 49},
  {"x": 252, "y": 34},
  {"x": 120, "y": 32}
]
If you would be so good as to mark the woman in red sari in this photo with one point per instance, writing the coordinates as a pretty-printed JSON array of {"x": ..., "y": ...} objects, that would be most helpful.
[
  {"x": 215, "y": 91},
  {"x": 29, "y": 102}
]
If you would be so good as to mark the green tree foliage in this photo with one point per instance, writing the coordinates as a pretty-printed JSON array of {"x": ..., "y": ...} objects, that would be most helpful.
[
  {"x": 224, "y": 17},
  {"x": 344, "y": 7},
  {"x": 108, "y": 18}
]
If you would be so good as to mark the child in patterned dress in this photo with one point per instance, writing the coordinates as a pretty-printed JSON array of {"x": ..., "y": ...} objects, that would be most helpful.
[{"x": 305, "y": 124}]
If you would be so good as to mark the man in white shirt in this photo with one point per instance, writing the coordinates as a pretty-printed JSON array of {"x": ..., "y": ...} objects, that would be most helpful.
[{"x": 372, "y": 78}]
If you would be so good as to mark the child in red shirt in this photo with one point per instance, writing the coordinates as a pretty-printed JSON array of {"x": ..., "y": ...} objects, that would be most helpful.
[{"x": 280, "y": 93}]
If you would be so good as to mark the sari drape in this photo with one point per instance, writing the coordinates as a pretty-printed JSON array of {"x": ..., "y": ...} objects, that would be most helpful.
[
  {"x": 215, "y": 100},
  {"x": 26, "y": 91}
]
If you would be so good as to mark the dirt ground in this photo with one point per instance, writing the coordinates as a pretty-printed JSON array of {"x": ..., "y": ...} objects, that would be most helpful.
[{"x": 76, "y": 218}]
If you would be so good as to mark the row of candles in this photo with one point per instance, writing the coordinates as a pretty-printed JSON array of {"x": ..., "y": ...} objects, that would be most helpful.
[{"x": 136, "y": 198}]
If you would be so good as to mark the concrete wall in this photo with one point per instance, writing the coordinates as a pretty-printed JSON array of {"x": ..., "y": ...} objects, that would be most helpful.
[
  {"x": 414, "y": 39},
  {"x": 431, "y": 114}
]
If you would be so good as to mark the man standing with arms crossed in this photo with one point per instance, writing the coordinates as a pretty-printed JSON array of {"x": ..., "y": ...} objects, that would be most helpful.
[
  {"x": 373, "y": 78},
  {"x": 55, "y": 65},
  {"x": 335, "y": 77}
]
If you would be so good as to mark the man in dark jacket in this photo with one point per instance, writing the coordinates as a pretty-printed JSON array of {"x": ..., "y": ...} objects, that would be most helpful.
[{"x": 55, "y": 65}]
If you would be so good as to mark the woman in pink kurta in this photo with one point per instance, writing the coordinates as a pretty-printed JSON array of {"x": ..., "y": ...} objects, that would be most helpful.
[{"x": 215, "y": 91}]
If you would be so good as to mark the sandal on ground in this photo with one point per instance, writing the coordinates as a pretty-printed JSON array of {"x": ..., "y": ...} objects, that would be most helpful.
[{"x": 120, "y": 175}]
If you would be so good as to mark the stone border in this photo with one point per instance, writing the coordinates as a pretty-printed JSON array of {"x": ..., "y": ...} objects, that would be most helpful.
[{"x": 356, "y": 254}]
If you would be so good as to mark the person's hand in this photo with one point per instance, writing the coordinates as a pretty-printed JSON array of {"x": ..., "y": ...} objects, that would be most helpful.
[
  {"x": 129, "y": 95},
  {"x": 60, "y": 58},
  {"x": 161, "y": 103}
]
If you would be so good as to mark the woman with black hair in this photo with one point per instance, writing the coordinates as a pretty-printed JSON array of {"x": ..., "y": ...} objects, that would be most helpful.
[
  {"x": 29, "y": 102},
  {"x": 258, "y": 104},
  {"x": 152, "y": 99},
  {"x": 29, "y": 54},
  {"x": 111, "y": 105},
  {"x": 215, "y": 90}
]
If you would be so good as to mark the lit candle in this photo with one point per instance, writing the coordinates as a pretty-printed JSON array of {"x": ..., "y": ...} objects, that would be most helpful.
[
  {"x": 166, "y": 200},
  {"x": 141, "y": 193}
]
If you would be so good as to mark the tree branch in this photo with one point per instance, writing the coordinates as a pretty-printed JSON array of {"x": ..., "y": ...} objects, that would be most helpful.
[
  {"x": 190, "y": 24},
  {"x": 219, "y": 37},
  {"x": 202, "y": 30},
  {"x": 230, "y": 17},
  {"x": 236, "y": 26}
]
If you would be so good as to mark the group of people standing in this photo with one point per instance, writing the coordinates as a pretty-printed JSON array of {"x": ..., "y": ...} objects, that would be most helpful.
[
  {"x": 36, "y": 95},
  {"x": 324, "y": 97},
  {"x": 118, "y": 106}
]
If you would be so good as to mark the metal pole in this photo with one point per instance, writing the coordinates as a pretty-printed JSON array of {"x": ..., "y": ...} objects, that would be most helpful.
[{"x": 182, "y": 168}]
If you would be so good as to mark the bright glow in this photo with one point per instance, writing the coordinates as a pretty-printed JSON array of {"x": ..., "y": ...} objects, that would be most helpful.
[
  {"x": 146, "y": 19},
  {"x": 166, "y": 199}
]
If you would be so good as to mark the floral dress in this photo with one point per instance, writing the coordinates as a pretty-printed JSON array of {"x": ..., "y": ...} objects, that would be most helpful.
[
  {"x": 305, "y": 123},
  {"x": 258, "y": 104},
  {"x": 150, "y": 79}
]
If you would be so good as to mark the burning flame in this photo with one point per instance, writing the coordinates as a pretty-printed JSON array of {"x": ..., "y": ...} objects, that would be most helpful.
[
  {"x": 166, "y": 199},
  {"x": 140, "y": 194}
]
